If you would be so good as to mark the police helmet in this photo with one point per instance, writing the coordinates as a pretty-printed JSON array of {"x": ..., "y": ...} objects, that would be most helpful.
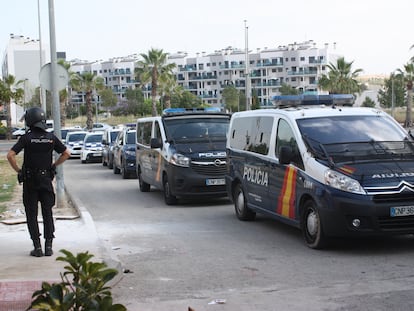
[{"x": 35, "y": 117}]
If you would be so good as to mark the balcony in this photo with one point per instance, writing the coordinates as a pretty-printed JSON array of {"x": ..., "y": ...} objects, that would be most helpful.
[{"x": 302, "y": 72}]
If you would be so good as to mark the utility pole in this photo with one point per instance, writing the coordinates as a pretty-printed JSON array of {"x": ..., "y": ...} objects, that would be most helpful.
[
  {"x": 55, "y": 97},
  {"x": 42, "y": 91}
]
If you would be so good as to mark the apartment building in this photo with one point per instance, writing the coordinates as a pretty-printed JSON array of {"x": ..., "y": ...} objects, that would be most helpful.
[{"x": 206, "y": 75}]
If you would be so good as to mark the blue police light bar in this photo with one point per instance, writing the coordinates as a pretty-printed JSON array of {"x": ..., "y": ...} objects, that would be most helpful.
[
  {"x": 190, "y": 110},
  {"x": 311, "y": 99}
]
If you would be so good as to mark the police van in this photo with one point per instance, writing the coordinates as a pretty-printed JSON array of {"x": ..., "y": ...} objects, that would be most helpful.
[
  {"x": 331, "y": 171},
  {"x": 183, "y": 152}
]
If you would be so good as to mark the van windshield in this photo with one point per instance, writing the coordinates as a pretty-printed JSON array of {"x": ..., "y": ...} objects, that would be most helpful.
[
  {"x": 196, "y": 129},
  {"x": 354, "y": 137}
]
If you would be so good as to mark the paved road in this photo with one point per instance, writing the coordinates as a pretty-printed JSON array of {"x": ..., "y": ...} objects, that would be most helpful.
[{"x": 195, "y": 252}]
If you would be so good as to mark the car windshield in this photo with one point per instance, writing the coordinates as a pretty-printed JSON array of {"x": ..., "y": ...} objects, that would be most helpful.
[
  {"x": 354, "y": 137},
  {"x": 93, "y": 139},
  {"x": 130, "y": 138},
  {"x": 196, "y": 129},
  {"x": 76, "y": 137}
]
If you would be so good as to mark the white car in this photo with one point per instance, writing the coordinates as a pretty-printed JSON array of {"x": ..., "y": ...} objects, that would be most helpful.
[
  {"x": 74, "y": 142},
  {"x": 19, "y": 132},
  {"x": 92, "y": 147}
]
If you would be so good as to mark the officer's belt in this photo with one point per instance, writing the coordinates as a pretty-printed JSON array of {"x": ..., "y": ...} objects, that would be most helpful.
[{"x": 38, "y": 172}]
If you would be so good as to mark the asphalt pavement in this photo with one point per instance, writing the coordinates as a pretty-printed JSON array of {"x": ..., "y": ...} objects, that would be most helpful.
[{"x": 22, "y": 274}]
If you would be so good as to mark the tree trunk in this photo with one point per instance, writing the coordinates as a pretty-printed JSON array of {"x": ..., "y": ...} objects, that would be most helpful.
[
  {"x": 408, "y": 118},
  {"x": 89, "y": 113},
  {"x": 8, "y": 120}
]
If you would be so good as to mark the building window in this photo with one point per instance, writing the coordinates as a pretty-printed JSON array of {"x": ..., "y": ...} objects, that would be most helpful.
[
  {"x": 302, "y": 59},
  {"x": 293, "y": 59}
]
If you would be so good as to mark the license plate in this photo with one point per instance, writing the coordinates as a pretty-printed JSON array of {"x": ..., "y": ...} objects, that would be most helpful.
[
  {"x": 97, "y": 154},
  {"x": 215, "y": 182},
  {"x": 402, "y": 211}
]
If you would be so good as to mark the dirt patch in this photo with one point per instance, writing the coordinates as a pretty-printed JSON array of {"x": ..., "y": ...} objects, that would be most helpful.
[{"x": 15, "y": 214}]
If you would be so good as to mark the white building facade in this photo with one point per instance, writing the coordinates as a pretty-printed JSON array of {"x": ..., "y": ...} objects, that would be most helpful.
[
  {"x": 21, "y": 59},
  {"x": 299, "y": 65}
]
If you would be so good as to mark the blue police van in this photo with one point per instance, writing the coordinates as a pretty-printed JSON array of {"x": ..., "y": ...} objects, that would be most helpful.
[
  {"x": 332, "y": 171},
  {"x": 183, "y": 152}
]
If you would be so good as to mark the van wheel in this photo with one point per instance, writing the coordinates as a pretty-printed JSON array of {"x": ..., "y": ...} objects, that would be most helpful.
[
  {"x": 168, "y": 197},
  {"x": 143, "y": 186},
  {"x": 124, "y": 172},
  {"x": 116, "y": 170},
  {"x": 312, "y": 226},
  {"x": 240, "y": 204}
]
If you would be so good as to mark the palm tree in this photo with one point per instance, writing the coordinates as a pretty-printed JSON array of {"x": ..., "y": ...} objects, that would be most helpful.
[
  {"x": 151, "y": 69},
  {"x": 88, "y": 82},
  {"x": 408, "y": 77},
  {"x": 168, "y": 87},
  {"x": 9, "y": 91},
  {"x": 64, "y": 94},
  {"x": 340, "y": 78}
]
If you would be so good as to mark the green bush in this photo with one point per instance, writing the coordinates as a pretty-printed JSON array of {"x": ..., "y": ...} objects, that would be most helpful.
[{"x": 82, "y": 287}]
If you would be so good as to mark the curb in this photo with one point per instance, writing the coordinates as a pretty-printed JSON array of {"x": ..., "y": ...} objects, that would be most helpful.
[{"x": 88, "y": 220}]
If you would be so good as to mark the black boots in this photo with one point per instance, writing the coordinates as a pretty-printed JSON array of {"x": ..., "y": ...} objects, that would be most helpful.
[
  {"x": 48, "y": 248},
  {"x": 37, "y": 251}
]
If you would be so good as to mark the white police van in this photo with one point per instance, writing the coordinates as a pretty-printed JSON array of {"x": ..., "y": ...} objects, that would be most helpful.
[
  {"x": 183, "y": 152},
  {"x": 330, "y": 171}
]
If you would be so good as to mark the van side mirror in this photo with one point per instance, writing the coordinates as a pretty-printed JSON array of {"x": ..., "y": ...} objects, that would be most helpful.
[
  {"x": 104, "y": 142},
  {"x": 156, "y": 143},
  {"x": 285, "y": 155}
]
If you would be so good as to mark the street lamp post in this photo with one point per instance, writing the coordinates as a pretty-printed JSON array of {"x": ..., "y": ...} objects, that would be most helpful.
[{"x": 247, "y": 74}]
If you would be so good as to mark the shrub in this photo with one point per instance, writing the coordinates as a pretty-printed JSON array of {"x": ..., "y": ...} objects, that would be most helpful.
[{"x": 83, "y": 287}]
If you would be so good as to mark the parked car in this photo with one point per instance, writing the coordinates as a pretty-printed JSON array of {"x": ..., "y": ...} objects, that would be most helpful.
[
  {"x": 124, "y": 153},
  {"x": 108, "y": 140},
  {"x": 64, "y": 131},
  {"x": 92, "y": 147},
  {"x": 74, "y": 142},
  {"x": 17, "y": 132},
  {"x": 98, "y": 127}
]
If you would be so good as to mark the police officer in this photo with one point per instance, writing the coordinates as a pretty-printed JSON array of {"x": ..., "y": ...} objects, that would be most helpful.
[{"x": 37, "y": 173}]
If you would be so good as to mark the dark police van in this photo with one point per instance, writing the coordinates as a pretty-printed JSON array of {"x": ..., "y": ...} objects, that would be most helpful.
[
  {"x": 330, "y": 171},
  {"x": 183, "y": 152}
]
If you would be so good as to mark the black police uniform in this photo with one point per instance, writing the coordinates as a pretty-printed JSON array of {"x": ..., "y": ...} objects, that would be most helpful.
[{"x": 38, "y": 174}]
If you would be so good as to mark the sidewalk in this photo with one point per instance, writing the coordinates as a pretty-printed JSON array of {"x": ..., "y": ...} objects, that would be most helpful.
[{"x": 22, "y": 274}]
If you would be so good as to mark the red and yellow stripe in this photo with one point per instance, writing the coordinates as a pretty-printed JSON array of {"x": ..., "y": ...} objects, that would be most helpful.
[{"x": 286, "y": 201}]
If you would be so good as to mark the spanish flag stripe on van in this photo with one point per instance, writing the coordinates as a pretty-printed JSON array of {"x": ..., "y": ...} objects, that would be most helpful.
[{"x": 286, "y": 206}]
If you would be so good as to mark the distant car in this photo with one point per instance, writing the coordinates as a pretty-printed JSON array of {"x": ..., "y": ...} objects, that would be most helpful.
[
  {"x": 64, "y": 131},
  {"x": 124, "y": 153},
  {"x": 92, "y": 147},
  {"x": 18, "y": 132},
  {"x": 98, "y": 127},
  {"x": 108, "y": 140},
  {"x": 74, "y": 142}
]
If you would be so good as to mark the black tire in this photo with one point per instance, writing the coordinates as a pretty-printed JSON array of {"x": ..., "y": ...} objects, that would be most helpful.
[
  {"x": 240, "y": 204},
  {"x": 124, "y": 172},
  {"x": 143, "y": 186},
  {"x": 312, "y": 228},
  {"x": 110, "y": 162},
  {"x": 168, "y": 197},
  {"x": 115, "y": 169}
]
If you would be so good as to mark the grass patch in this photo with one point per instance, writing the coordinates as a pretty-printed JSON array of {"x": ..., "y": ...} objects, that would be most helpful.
[{"x": 8, "y": 182}]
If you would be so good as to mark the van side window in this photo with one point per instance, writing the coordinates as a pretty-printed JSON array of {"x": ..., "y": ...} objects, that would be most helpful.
[
  {"x": 252, "y": 134},
  {"x": 157, "y": 130},
  {"x": 144, "y": 133},
  {"x": 285, "y": 137}
]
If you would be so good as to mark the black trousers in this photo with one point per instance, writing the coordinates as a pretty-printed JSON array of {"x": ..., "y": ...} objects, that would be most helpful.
[{"x": 34, "y": 191}]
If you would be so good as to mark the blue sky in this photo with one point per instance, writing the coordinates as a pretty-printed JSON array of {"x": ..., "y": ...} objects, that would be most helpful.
[{"x": 376, "y": 35}]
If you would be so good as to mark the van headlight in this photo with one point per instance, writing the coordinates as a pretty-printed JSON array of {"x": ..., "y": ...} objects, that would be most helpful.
[
  {"x": 342, "y": 182},
  {"x": 180, "y": 160}
]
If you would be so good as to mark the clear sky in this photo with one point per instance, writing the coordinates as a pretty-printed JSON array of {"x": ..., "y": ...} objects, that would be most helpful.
[{"x": 375, "y": 34}]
